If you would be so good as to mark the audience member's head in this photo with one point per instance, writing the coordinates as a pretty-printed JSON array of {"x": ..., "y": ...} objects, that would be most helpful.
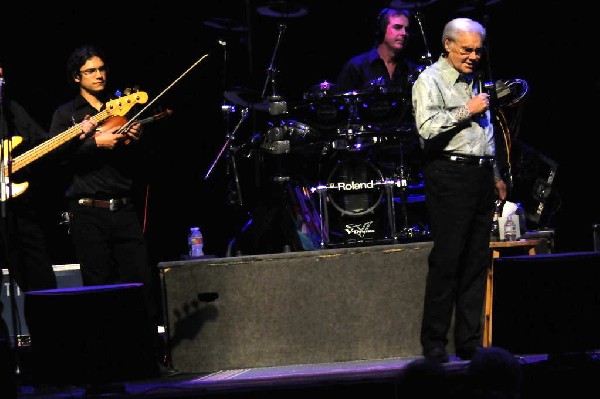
[
  {"x": 495, "y": 373},
  {"x": 424, "y": 378}
]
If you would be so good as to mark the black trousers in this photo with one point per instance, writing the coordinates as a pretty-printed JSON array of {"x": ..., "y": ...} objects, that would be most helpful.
[
  {"x": 460, "y": 202},
  {"x": 111, "y": 249},
  {"x": 24, "y": 249}
]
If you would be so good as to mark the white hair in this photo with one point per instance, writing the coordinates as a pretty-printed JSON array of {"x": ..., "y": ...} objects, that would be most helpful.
[{"x": 457, "y": 25}]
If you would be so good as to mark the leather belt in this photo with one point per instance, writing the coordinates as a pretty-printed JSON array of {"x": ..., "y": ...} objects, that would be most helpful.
[
  {"x": 111, "y": 204},
  {"x": 483, "y": 161}
]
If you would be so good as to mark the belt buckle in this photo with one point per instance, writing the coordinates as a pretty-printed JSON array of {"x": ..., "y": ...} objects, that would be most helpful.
[
  {"x": 487, "y": 162},
  {"x": 113, "y": 204}
]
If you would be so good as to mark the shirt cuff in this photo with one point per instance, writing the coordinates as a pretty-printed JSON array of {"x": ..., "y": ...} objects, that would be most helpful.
[{"x": 462, "y": 114}]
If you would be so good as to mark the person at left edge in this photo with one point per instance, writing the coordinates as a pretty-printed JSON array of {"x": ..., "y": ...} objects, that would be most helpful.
[
  {"x": 23, "y": 235},
  {"x": 24, "y": 248}
]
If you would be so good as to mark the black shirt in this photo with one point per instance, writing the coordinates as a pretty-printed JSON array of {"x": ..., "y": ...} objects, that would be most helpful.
[
  {"x": 17, "y": 122},
  {"x": 383, "y": 103},
  {"x": 95, "y": 172},
  {"x": 366, "y": 69}
]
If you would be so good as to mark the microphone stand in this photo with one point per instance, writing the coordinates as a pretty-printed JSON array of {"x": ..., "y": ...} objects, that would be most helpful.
[
  {"x": 490, "y": 87},
  {"x": 278, "y": 107},
  {"x": 4, "y": 155},
  {"x": 271, "y": 71},
  {"x": 236, "y": 196},
  {"x": 250, "y": 37},
  {"x": 226, "y": 145},
  {"x": 427, "y": 57},
  {"x": 5, "y": 186}
]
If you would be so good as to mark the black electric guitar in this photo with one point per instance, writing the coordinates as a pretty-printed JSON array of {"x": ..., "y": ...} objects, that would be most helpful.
[{"x": 9, "y": 165}]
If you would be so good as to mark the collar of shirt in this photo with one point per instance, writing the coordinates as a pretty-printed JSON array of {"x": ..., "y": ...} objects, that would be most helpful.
[
  {"x": 464, "y": 78},
  {"x": 451, "y": 75},
  {"x": 373, "y": 55}
]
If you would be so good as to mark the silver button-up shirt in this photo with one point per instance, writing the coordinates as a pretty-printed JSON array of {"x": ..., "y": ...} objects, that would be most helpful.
[{"x": 439, "y": 97}]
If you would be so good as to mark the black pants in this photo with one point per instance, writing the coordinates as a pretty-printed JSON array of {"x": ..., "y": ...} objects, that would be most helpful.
[
  {"x": 111, "y": 249},
  {"x": 24, "y": 250},
  {"x": 460, "y": 203}
]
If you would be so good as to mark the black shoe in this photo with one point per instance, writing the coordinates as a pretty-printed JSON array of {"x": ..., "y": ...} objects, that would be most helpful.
[
  {"x": 167, "y": 371},
  {"x": 466, "y": 353},
  {"x": 437, "y": 354}
]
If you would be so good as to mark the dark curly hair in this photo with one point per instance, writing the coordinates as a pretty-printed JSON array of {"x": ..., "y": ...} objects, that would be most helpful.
[{"x": 79, "y": 57}]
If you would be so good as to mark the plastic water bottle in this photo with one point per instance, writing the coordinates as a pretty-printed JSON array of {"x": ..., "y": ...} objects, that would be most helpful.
[
  {"x": 195, "y": 242},
  {"x": 510, "y": 229}
]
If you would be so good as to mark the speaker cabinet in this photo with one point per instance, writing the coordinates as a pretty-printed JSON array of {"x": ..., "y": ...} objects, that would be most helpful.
[
  {"x": 90, "y": 335},
  {"x": 66, "y": 276},
  {"x": 295, "y": 308},
  {"x": 547, "y": 303}
]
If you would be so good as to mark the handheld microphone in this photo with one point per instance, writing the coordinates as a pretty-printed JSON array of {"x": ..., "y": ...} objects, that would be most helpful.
[
  {"x": 479, "y": 79},
  {"x": 1, "y": 86}
]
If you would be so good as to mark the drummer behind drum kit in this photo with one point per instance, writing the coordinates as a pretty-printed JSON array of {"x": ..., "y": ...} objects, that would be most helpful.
[{"x": 360, "y": 140}]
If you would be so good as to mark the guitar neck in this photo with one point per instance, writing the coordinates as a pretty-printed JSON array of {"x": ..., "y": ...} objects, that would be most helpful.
[{"x": 39, "y": 151}]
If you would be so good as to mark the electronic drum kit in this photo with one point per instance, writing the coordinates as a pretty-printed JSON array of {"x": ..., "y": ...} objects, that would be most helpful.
[{"x": 351, "y": 150}]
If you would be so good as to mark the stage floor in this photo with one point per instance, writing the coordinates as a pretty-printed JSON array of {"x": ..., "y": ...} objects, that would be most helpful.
[{"x": 542, "y": 375}]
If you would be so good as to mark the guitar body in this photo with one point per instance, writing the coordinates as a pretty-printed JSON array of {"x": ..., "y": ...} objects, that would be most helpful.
[
  {"x": 8, "y": 189},
  {"x": 11, "y": 190}
]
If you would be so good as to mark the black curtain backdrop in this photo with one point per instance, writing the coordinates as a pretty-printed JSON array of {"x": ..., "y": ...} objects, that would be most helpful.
[{"x": 152, "y": 45}]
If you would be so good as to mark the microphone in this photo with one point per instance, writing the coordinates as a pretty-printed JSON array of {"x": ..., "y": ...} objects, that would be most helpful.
[
  {"x": 1, "y": 86},
  {"x": 479, "y": 79}
]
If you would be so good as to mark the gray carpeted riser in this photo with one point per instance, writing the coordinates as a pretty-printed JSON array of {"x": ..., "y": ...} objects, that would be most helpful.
[{"x": 295, "y": 308}]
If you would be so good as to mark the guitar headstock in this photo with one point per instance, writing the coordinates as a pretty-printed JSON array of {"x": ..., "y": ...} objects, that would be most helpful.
[{"x": 122, "y": 105}]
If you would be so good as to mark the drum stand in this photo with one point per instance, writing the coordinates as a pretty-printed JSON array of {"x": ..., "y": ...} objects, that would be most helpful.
[
  {"x": 321, "y": 191},
  {"x": 401, "y": 179},
  {"x": 391, "y": 212}
]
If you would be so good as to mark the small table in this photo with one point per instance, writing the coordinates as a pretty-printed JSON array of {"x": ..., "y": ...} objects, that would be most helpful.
[{"x": 506, "y": 248}]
